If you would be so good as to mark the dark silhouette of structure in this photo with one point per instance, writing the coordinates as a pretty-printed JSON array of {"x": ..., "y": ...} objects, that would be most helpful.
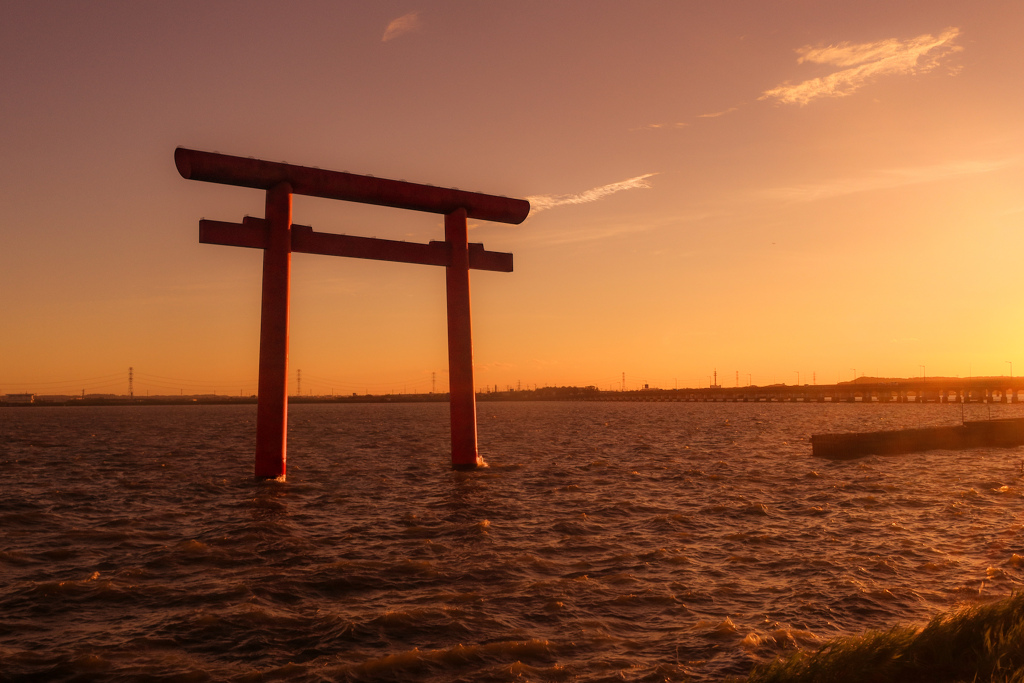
[
  {"x": 278, "y": 238},
  {"x": 1002, "y": 433},
  {"x": 864, "y": 390}
]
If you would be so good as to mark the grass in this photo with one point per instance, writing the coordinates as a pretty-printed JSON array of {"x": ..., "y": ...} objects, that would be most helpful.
[{"x": 979, "y": 644}]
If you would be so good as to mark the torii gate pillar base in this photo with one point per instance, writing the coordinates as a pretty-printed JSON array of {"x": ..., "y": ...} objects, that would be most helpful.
[{"x": 460, "y": 345}]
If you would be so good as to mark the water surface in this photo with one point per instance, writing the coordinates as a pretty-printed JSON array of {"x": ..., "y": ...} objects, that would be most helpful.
[{"x": 606, "y": 541}]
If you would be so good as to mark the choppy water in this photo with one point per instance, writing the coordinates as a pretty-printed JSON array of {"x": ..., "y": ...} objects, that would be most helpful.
[{"x": 604, "y": 542}]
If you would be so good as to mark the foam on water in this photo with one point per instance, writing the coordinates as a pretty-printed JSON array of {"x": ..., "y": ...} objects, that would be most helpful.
[{"x": 626, "y": 541}]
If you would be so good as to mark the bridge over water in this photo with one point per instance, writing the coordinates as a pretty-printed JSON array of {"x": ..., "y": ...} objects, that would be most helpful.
[{"x": 931, "y": 390}]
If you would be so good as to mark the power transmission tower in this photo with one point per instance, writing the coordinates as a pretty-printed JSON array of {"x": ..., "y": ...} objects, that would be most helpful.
[
  {"x": 298, "y": 384},
  {"x": 433, "y": 382},
  {"x": 131, "y": 383}
]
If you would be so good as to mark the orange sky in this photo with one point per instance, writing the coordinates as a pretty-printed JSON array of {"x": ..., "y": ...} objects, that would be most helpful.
[{"x": 762, "y": 188}]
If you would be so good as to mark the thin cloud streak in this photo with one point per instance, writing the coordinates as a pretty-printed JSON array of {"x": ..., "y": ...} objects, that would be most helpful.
[
  {"x": 864, "y": 62},
  {"x": 883, "y": 180},
  {"x": 657, "y": 126},
  {"x": 542, "y": 202},
  {"x": 683, "y": 124},
  {"x": 715, "y": 115},
  {"x": 407, "y": 23}
]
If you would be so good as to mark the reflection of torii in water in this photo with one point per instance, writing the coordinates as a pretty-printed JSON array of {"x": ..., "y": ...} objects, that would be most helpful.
[{"x": 278, "y": 238}]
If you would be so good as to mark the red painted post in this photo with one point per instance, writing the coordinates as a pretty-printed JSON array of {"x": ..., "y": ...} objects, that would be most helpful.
[
  {"x": 272, "y": 408},
  {"x": 460, "y": 344}
]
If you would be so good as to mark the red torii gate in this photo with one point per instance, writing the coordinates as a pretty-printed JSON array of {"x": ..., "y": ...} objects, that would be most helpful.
[{"x": 278, "y": 238}]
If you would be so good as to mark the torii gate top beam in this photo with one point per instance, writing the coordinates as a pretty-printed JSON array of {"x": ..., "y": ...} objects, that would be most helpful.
[{"x": 314, "y": 182}]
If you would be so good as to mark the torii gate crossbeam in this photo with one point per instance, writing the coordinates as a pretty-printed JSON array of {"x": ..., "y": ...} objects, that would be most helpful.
[{"x": 278, "y": 238}]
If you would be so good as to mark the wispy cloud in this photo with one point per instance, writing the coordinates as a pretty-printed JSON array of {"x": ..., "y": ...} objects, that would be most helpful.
[
  {"x": 862, "y": 62},
  {"x": 684, "y": 124},
  {"x": 715, "y": 115},
  {"x": 542, "y": 202},
  {"x": 406, "y": 23},
  {"x": 659, "y": 126},
  {"x": 884, "y": 180}
]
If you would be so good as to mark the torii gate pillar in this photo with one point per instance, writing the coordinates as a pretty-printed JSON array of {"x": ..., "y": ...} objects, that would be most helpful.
[
  {"x": 272, "y": 408},
  {"x": 460, "y": 344}
]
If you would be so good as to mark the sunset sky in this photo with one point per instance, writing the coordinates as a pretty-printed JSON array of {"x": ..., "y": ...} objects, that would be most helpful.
[{"x": 756, "y": 187}]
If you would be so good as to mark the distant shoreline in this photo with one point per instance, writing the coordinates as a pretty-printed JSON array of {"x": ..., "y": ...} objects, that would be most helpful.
[{"x": 864, "y": 389}]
